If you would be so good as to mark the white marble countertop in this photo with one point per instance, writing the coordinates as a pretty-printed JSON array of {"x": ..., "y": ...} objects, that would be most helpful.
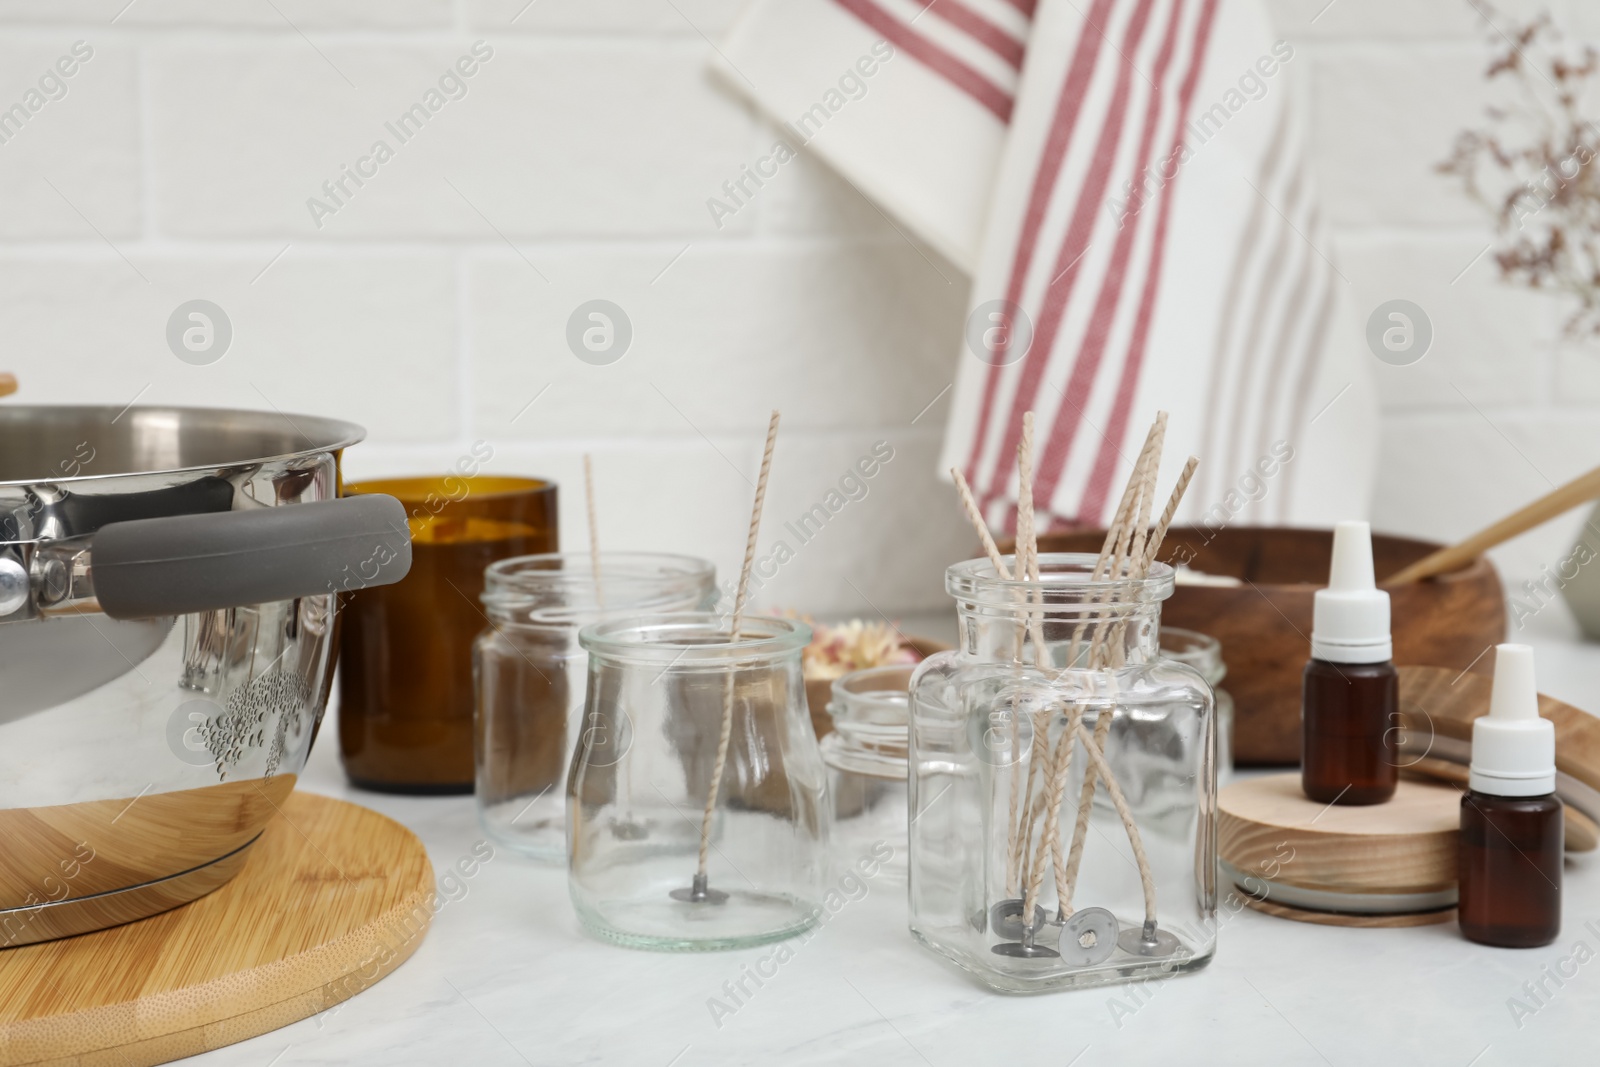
[{"x": 505, "y": 977}]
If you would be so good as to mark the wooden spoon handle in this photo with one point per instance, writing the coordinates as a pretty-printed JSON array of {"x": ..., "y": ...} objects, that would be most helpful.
[
  {"x": 8, "y": 384},
  {"x": 1580, "y": 490}
]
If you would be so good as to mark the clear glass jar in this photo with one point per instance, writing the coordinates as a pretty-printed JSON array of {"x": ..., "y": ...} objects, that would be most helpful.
[
  {"x": 997, "y": 799},
  {"x": 866, "y": 758},
  {"x": 1204, "y": 653},
  {"x": 641, "y": 868},
  {"x": 529, "y": 674}
]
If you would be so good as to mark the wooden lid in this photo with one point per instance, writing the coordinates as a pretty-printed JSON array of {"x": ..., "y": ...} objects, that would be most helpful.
[
  {"x": 1437, "y": 707},
  {"x": 1394, "y": 857}
]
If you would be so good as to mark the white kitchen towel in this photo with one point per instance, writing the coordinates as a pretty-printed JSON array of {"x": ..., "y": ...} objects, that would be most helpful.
[
  {"x": 1154, "y": 244},
  {"x": 908, "y": 100},
  {"x": 1152, "y": 241}
]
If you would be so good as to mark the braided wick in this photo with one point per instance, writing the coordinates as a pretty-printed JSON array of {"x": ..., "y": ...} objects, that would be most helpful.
[
  {"x": 1020, "y": 827},
  {"x": 1130, "y": 547},
  {"x": 733, "y": 639},
  {"x": 1102, "y": 726},
  {"x": 975, "y": 516},
  {"x": 1117, "y": 535},
  {"x": 1061, "y": 766},
  {"x": 1146, "y": 879},
  {"x": 594, "y": 532}
]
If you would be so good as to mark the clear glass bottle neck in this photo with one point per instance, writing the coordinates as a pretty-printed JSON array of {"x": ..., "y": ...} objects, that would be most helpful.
[
  {"x": 1082, "y": 616},
  {"x": 1108, "y": 635}
]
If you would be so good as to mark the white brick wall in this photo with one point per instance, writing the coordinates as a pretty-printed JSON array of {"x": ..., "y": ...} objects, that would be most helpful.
[
  {"x": 432, "y": 307},
  {"x": 1500, "y": 410}
]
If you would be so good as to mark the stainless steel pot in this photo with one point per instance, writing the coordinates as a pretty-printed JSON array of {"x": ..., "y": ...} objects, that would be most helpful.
[{"x": 168, "y": 600}]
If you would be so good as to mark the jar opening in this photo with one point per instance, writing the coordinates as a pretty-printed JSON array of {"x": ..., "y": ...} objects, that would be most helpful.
[
  {"x": 1065, "y": 578},
  {"x": 694, "y": 639},
  {"x": 873, "y": 693},
  {"x": 557, "y": 589},
  {"x": 871, "y": 711}
]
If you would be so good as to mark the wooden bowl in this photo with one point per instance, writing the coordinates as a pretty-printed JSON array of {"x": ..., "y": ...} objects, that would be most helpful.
[{"x": 1265, "y": 624}]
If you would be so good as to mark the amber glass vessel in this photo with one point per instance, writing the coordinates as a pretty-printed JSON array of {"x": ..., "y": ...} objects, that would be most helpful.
[
  {"x": 405, "y": 677},
  {"x": 1347, "y": 753},
  {"x": 1510, "y": 859}
]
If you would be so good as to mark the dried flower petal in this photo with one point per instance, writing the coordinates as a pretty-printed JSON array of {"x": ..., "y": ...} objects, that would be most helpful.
[
  {"x": 1541, "y": 154},
  {"x": 836, "y": 650}
]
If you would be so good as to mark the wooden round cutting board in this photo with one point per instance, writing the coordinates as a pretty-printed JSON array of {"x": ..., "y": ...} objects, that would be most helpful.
[
  {"x": 1388, "y": 864},
  {"x": 332, "y": 898}
]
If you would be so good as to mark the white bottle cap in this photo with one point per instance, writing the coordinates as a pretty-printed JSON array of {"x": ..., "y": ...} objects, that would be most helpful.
[
  {"x": 1513, "y": 749},
  {"x": 1350, "y": 618}
]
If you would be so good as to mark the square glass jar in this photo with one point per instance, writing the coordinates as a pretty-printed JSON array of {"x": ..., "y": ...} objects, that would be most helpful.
[{"x": 1019, "y": 874}]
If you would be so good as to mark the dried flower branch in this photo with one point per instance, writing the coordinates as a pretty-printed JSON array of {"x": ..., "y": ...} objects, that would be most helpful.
[{"x": 1531, "y": 167}]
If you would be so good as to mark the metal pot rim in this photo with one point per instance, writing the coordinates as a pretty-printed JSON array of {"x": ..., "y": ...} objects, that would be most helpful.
[{"x": 320, "y": 434}]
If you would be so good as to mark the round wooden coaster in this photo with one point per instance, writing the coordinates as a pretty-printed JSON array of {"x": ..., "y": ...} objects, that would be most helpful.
[
  {"x": 332, "y": 898},
  {"x": 1344, "y": 865}
]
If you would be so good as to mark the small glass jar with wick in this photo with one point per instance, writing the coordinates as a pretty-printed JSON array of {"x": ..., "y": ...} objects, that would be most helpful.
[{"x": 697, "y": 813}]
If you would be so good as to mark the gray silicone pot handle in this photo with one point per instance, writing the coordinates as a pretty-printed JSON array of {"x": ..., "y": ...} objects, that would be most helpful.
[{"x": 188, "y": 563}]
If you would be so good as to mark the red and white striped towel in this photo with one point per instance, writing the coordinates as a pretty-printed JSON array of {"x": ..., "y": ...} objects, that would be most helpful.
[
  {"x": 1151, "y": 241},
  {"x": 922, "y": 133}
]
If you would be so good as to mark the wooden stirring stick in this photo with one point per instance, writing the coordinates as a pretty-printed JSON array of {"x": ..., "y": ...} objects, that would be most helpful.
[{"x": 1580, "y": 490}]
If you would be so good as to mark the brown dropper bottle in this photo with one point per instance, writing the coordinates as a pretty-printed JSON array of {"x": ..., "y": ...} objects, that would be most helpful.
[
  {"x": 1511, "y": 819},
  {"x": 1350, "y": 691}
]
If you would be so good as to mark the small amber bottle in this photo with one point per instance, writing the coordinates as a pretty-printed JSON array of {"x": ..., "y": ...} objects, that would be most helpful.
[
  {"x": 1511, "y": 819},
  {"x": 1350, "y": 690}
]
